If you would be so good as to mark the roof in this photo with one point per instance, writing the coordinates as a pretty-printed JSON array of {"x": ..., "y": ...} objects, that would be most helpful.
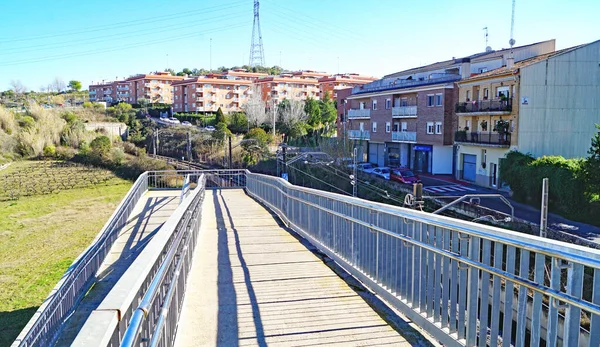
[
  {"x": 518, "y": 65},
  {"x": 448, "y": 63},
  {"x": 286, "y": 79},
  {"x": 156, "y": 76},
  {"x": 349, "y": 79},
  {"x": 201, "y": 79},
  {"x": 245, "y": 73}
]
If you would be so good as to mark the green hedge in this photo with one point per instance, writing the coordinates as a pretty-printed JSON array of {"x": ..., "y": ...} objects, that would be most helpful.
[{"x": 568, "y": 193}]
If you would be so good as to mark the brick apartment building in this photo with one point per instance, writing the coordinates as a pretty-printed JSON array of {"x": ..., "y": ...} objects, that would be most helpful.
[
  {"x": 207, "y": 94},
  {"x": 408, "y": 118},
  {"x": 155, "y": 88},
  {"x": 109, "y": 92},
  {"x": 274, "y": 89},
  {"x": 334, "y": 83}
]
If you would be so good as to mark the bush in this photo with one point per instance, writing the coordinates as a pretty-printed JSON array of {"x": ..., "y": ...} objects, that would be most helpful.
[
  {"x": 132, "y": 169},
  {"x": 65, "y": 153},
  {"x": 101, "y": 145},
  {"x": 220, "y": 118},
  {"x": 50, "y": 151},
  {"x": 130, "y": 148},
  {"x": 117, "y": 156},
  {"x": 258, "y": 134}
]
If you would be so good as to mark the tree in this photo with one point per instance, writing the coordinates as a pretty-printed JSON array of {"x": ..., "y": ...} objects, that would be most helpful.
[
  {"x": 17, "y": 87},
  {"x": 100, "y": 146},
  {"x": 220, "y": 117},
  {"x": 187, "y": 71},
  {"x": 221, "y": 132},
  {"x": 58, "y": 85},
  {"x": 255, "y": 107},
  {"x": 170, "y": 71},
  {"x": 292, "y": 117},
  {"x": 592, "y": 165},
  {"x": 75, "y": 85},
  {"x": 258, "y": 134},
  {"x": 238, "y": 122}
]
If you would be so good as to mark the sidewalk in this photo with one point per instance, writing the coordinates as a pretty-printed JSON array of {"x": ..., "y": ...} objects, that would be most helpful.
[{"x": 523, "y": 211}]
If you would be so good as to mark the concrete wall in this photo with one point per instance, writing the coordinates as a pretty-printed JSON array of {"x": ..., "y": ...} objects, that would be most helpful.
[
  {"x": 442, "y": 160},
  {"x": 563, "y": 103},
  {"x": 113, "y": 129},
  {"x": 493, "y": 156}
]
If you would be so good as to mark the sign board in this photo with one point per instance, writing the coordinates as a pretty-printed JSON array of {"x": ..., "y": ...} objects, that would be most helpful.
[
  {"x": 525, "y": 100},
  {"x": 422, "y": 148},
  {"x": 284, "y": 176}
]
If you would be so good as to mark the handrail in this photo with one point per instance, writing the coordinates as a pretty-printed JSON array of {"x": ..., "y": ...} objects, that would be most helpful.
[
  {"x": 69, "y": 291},
  {"x": 174, "y": 254},
  {"x": 446, "y": 273}
]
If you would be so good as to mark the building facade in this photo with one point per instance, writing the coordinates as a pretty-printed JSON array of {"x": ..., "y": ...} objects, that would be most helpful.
[
  {"x": 154, "y": 88},
  {"x": 205, "y": 94},
  {"x": 332, "y": 84},
  {"x": 275, "y": 89}
]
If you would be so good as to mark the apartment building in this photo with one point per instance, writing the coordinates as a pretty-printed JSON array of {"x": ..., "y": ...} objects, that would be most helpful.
[
  {"x": 110, "y": 92},
  {"x": 332, "y": 84},
  {"x": 309, "y": 74},
  {"x": 408, "y": 118},
  {"x": 208, "y": 94},
  {"x": 275, "y": 89},
  {"x": 243, "y": 74},
  {"x": 545, "y": 105},
  {"x": 155, "y": 87}
]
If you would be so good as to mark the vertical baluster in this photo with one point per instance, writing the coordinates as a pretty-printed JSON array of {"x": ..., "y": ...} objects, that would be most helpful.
[
  {"x": 595, "y": 324},
  {"x": 430, "y": 231},
  {"x": 573, "y": 313},
  {"x": 509, "y": 296},
  {"x": 552, "y": 325},
  {"x": 415, "y": 267},
  {"x": 462, "y": 287},
  {"x": 472, "y": 293},
  {"x": 423, "y": 270},
  {"x": 522, "y": 308},
  {"x": 447, "y": 278},
  {"x": 438, "y": 275},
  {"x": 454, "y": 284},
  {"x": 485, "y": 295},
  {"x": 497, "y": 287}
]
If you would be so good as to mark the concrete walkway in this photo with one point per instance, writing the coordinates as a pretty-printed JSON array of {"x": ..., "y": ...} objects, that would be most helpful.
[
  {"x": 151, "y": 211},
  {"x": 254, "y": 284}
]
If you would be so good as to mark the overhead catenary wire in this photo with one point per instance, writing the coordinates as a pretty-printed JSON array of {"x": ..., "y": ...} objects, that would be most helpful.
[
  {"x": 130, "y": 23},
  {"x": 318, "y": 179}
]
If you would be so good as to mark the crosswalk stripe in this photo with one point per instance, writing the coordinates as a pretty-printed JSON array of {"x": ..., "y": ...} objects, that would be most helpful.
[{"x": 448, "y": 188}]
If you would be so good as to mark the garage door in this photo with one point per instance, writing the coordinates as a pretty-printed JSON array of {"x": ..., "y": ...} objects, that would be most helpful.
[
  {"x": 373, "y": 153},
  {"x": 469, "y": 167}
]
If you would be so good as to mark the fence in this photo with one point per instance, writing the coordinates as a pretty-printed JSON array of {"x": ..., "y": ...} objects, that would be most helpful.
[
  {"x": 465, "y": 283},
  {"x": 43, "y": 328}
]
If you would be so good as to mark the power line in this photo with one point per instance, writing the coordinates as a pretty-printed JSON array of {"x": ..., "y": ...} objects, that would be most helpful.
[
  {"x": 120, "y": 48},
  {"x": 129, "y": 23},
  {"x": 318, "y": 179},
  {"x": 103, "y": 38}
]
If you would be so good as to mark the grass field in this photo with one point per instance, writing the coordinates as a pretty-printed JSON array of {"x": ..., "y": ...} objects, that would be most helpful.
[{"x": 40, "y": 236}]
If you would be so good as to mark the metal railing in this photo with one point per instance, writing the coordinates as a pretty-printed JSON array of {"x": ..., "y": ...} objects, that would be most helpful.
[
  {"x": 489, "y": 138},
  {"x": 45, "y": 325},
  {"x": 359, "y": 113},
  {"x": 478, "y": 106},
  {"x": 359, "y": 135},
  {"x": 155, "y": 319},
  {"x": 408, "y": 136},
  {"x": 465, "y": 283},
  {"x": 404, "y": 111},
  {"x": 396, "y": 83}
]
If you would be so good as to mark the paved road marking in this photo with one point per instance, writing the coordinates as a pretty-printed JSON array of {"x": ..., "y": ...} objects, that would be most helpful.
[{"x": 448, "y": 189}]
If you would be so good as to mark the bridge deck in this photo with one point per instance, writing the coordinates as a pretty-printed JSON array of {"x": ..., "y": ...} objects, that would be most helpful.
[
  {"x": 253, "y": 283},
  {"x": 151, "y": 211}
]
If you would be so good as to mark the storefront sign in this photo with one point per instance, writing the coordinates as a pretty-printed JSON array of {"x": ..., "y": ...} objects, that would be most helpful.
[{"x": 422, "y": 148}]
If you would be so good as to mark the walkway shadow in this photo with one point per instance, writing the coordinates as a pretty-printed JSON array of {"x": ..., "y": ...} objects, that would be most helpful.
[
  {"x": 12, "y": 322},
  {"x": 228, "y": 329}
]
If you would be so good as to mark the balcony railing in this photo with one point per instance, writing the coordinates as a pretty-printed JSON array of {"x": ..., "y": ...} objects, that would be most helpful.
[
  {"x": 485, "y": 106},
  {"x": 354, "y": 113},
  {"x": 484, "y": 138},
  {"x": 122, "y": 87},
  {"x": 404, "y": 111},
  {"x": 404, "y": 136},
  {"x": 92, "y": 92},
  {"x": 359, "y": 135}
]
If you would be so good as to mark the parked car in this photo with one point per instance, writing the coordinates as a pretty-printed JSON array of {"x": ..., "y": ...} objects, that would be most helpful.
[
  {"x": 174, "y": 120},
  {"x": 404, "y": 175},
  {"x": 365, "y": 167},
  {"x": 164, "y": 116},
  {"x": 210, "y": 128},
  {"x": 383, "y": 172},
  {"x": 186, "y": 123}
]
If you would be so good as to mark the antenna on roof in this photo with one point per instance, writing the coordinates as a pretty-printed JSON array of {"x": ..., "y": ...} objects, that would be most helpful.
[
  {"x": 512, "y": 41},
  {"x": 486, "y": 38}
]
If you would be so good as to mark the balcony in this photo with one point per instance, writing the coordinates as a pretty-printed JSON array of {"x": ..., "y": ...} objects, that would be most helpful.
[
  {"x": 92, "y": 92},
  {"x": 122, "y": 87},
  {"x": 491, "y": 107},
  {"x": 404, "y": 112},
  {"x": 359, "y": 135},
  {"x": 357, "y": 114},
  {"x": 124, "y": 95},
  {"x": 492, "y": 139},
  {"x": 404, "y": 136}
]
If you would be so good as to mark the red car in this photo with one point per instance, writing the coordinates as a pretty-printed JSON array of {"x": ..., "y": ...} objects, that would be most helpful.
[{"x": 404, "y": 175}]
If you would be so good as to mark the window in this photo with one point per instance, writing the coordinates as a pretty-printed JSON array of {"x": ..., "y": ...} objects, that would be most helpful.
[
  {"x": 374, "y": 104},
  {"x": 502, "y": 91},
  {"x": 362, "y": 126},
  {"x": 468, "y": 125},
  {"x": 404, "y": 126},
  {"x": 430, "y": 127},
  {"x": 387, "y": 127},
  {"x": 468, "y": 95},
  {"x": 388, "y": 104},
  {"x": 374, "y": 127},
  {"x": 438, "y": 99},
  {"x": 438, "y": 127},
  {"x": 404, "y": 102},
  {"x": 483, "y": 156},
  {"x": 486, "y": 93},
  {"x": 396, "y": 126},
  {"x": 362, "y": 105},
  {"x": 430, "y": 100},
  {"x": 483, "y": 69}
]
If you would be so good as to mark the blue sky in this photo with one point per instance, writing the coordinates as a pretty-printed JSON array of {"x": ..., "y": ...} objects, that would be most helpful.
[{"x": 91, "y": 40}]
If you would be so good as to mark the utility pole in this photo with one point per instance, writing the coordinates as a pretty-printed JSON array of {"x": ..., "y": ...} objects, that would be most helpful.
[
  {"x": 284, "y": 148},
  {"x": 344, "y": 123},
  {"x": 189, "y": 147},
  {"x": 354, "y": 177},
  {"x": 210, "y": 56},
  {"x": 544, "y": 210}
]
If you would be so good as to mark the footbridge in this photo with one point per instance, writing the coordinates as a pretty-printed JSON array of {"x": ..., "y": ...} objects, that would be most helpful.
[{"x": 234, "y": 258}]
